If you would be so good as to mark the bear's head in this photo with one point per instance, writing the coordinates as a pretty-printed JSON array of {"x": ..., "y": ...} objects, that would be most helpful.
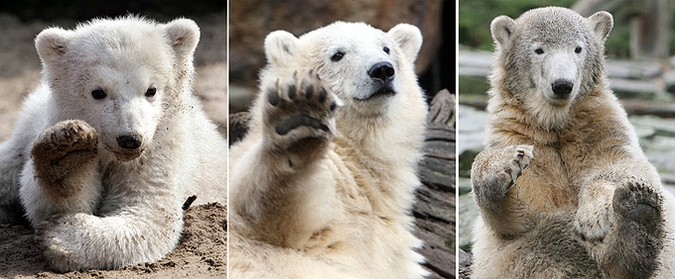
[
  {"x": 364, "y": 66},
  {"x": 550, "y": 56},
  {"x": 120, "y": 76}
]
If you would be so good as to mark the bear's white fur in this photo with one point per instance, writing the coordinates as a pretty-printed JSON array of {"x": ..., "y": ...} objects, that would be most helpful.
[
  {"x": 322, "y": 185},
  {"x": 111, "y": 144},
  {"x": 563, "y": 188}
]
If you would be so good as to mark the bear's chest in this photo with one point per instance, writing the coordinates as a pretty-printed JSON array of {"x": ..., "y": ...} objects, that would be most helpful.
[{"x": 553, "y": 178}]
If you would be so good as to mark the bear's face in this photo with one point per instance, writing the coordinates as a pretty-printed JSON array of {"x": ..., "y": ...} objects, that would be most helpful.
[
  {"x": 552, "y": 53},
  {"x": 361, "y": 64},
  {"x": 118, "y": 76}
]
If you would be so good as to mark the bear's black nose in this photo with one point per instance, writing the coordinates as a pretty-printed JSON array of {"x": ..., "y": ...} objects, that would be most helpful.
[
  {"x": 562, "y": 88},
  {"x": 383, "y": 71},
  {"x": 132, "y": 141}
]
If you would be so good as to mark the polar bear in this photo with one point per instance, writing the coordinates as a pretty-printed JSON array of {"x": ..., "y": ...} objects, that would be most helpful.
[
  {"x": 111, "y": 144},
  {"x": 322, "y": 185},
  {"x": 563, "y": 188}
]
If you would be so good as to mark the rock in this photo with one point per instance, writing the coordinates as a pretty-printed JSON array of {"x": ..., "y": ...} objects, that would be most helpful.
[
  {"x": 464, "y": 184},
  {"x": 662, "y": 126},
  {"x": 251, "y": 21},
  {"x": 639, "y": 89},
  {"x": 669, "y": 81},
  {"x": 630, "y": 69},
  {"x": 468, "y": 214},
  {"x": 471, "y": 132}
]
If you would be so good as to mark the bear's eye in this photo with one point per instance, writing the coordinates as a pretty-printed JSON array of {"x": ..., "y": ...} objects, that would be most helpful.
[
  {"x": 578, "y": 49},
  {"x": 151, "y": 92},
  {"x": 539, "y": 51},
  {"x": 98, "y": 94},
  {"x": 386, "y": 50},
  {"x": 337, "y": 56}
]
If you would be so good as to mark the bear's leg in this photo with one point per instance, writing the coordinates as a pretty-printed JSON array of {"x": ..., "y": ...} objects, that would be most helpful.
[
  {"x": 62, "y": 176},
  {"x": 285, "y": 188},
  {"x": 147, "y": 230},
  {"x": 634, "y": 231},
  {"x": 493, "y": 173},
  {"x": 595, "y": 215}
]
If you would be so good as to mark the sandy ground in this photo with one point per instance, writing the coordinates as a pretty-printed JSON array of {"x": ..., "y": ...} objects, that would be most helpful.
[{"x": 202, "y": 250}]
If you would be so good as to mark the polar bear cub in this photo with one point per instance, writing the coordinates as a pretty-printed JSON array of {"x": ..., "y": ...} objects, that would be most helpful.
[
  {"x": 322, "y": 185},
  {"x": 111, "y": 144},
  {"x": 563, "y": 188}
]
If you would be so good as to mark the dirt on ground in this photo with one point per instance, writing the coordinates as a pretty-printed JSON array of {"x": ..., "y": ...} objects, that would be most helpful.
[{"x": 202, "y": 251}]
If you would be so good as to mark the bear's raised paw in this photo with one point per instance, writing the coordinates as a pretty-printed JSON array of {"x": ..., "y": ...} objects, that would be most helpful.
[
  {"x": 62, "y": 149},
  {"x": 299, "y": 107}
]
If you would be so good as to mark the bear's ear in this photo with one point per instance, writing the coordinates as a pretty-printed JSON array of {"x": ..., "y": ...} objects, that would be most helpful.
[
  {"x": 601, "y": 24},
  {"x": 502, "y": 29},
  {"x": 183, "y": 36},
  {"x": 280, "y": 48},
  {"x": 52, "y": 44},
  {"x": 409, "y": 39}
]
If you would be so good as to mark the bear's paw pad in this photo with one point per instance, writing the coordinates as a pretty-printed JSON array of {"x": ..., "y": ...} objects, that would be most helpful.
[
  {"x": 638, "y": 201},
  {"x": 301, "y": 101}
]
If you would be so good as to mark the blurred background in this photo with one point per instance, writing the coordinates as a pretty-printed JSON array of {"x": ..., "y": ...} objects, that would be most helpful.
[
  {"x": 251, "y": 20},
  {"x": 21, "y": 21},
  {"x": 640, "y": 64}
]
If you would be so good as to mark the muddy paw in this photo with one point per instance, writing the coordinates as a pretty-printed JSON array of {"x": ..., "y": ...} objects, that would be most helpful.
[
  {"x": 298, "y": 108},
  {"x": 638, "y": 201},
  {"x": 639, "y": 237},
  {"x": 62, "y": 149}
]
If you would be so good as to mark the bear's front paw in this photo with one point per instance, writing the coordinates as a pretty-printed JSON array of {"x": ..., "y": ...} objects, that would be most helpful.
[
  {"x": 299, "y": 108},
  {"x": 521, "y": 155},
  {"x": 63, "y": 149},
  {"x": 495, "y": 171}
]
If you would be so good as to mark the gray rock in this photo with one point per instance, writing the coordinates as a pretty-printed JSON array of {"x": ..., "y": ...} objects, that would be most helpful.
[
  {"x": 661, "y": 126},
  {"x": 471, "y": 128},
  {"x": 468, "y": 214}
]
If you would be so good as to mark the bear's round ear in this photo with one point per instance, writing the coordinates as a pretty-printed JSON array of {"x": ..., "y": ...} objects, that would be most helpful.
[
  {"x": 280, "y": 48},
  {"x": 183, "y": 35},
  {"x": 409, "y": 39},
  {"x": 502, "y": 29},
  {"x": 601, "y": 24},
  {"x": 52, "y": 44}
]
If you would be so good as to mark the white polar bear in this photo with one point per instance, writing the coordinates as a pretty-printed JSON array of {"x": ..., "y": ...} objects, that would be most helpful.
[
  {"x": 111, "y": 144},
  {"x": 322, "y": 185}
]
